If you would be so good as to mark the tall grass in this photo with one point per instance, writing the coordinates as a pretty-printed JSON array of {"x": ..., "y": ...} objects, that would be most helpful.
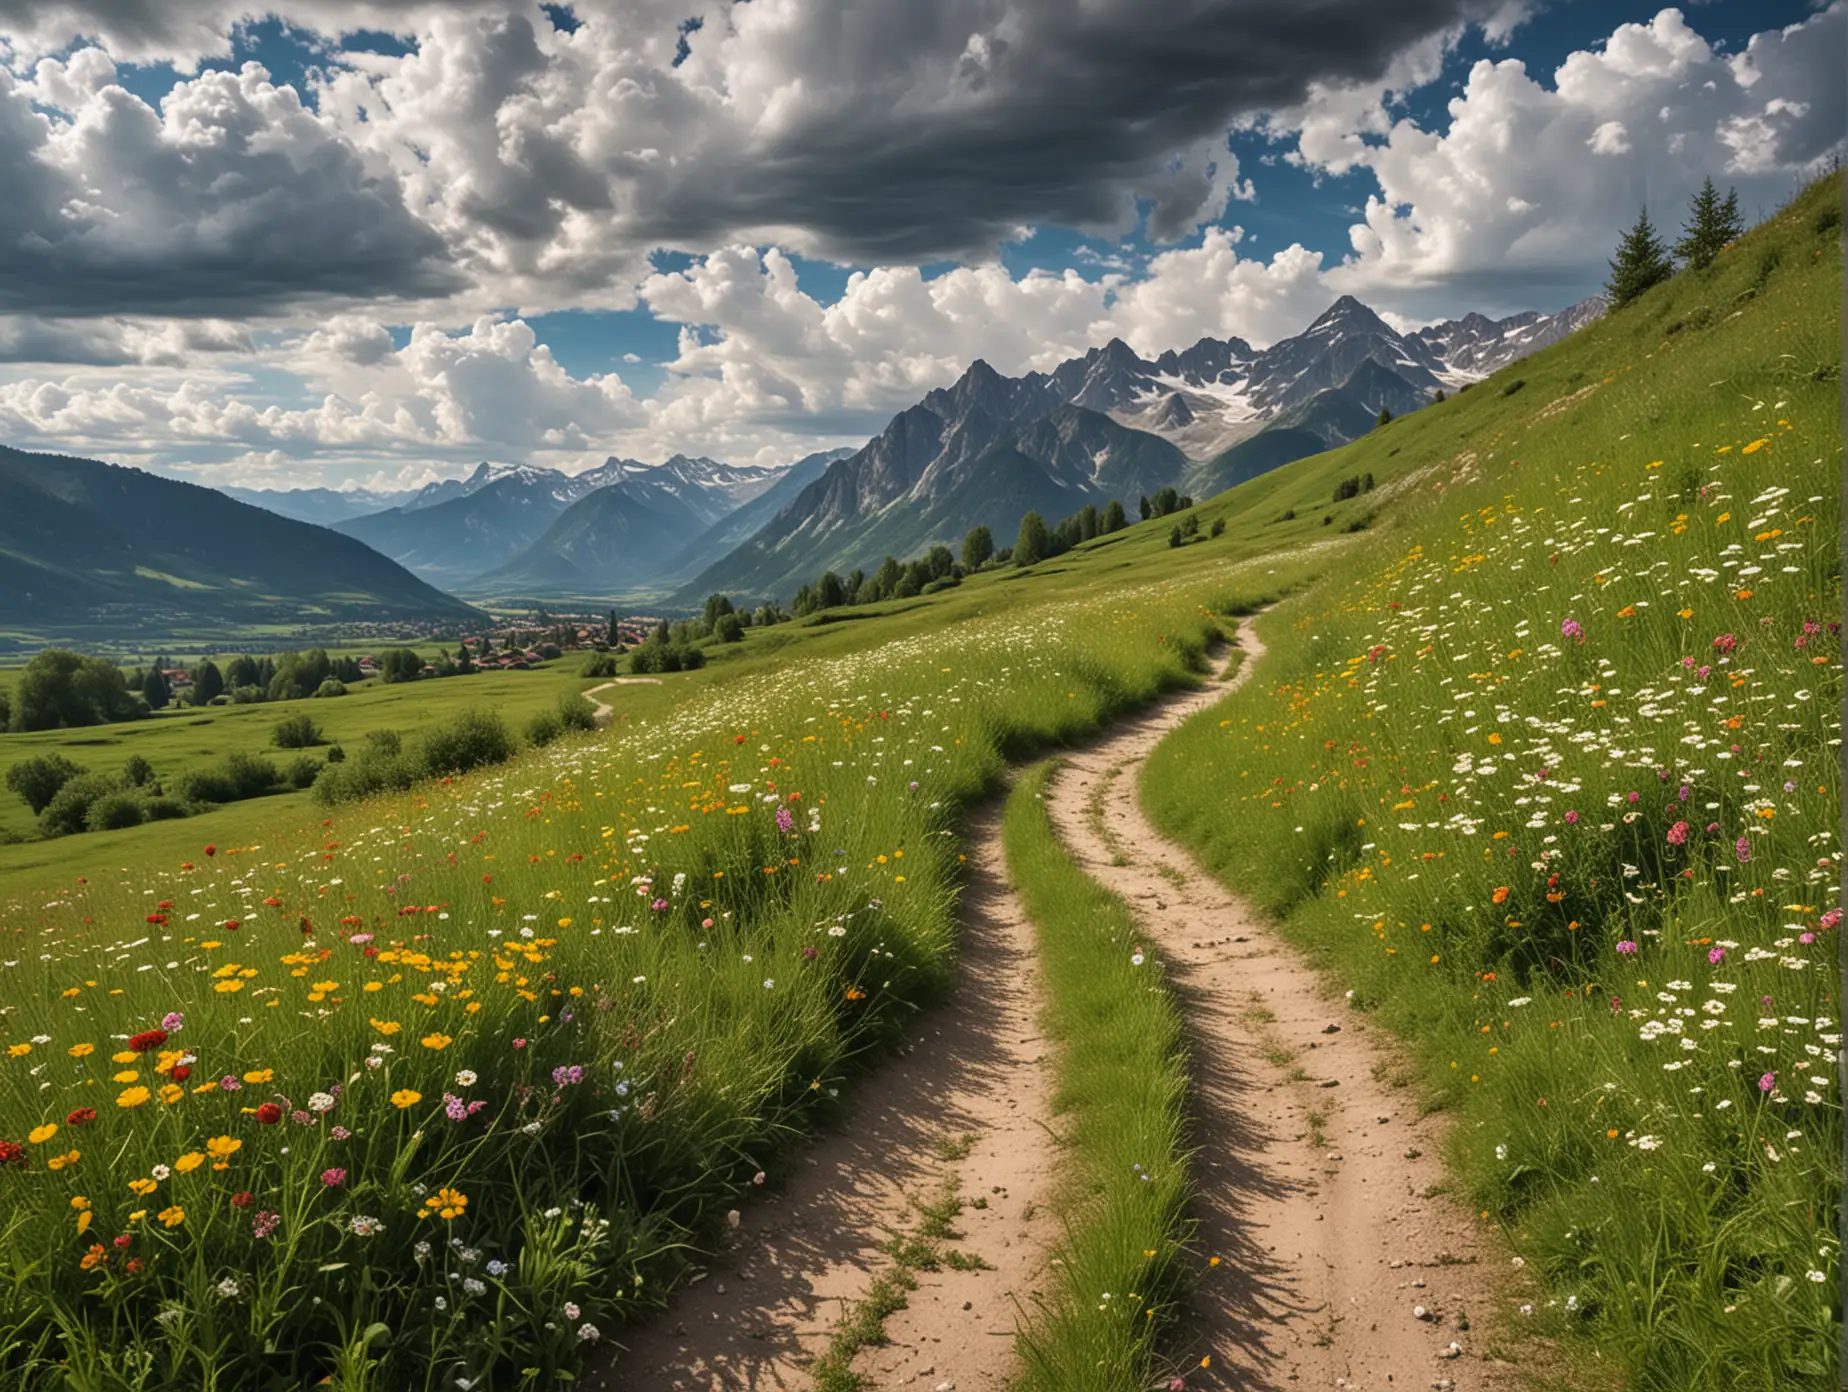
[
  {"x": 1121, "y": 1100},
  {"x": 1550, "y": 775},
  {"x": 447, "y": 1092}
]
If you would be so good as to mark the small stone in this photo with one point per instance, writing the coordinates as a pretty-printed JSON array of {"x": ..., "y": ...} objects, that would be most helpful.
[
  {"x": 1329, "y": 1082},
  {"x": 1395, "y": 1264},
  {"x": 1419, "y": 1312},
  {"x": 946, "y": 1386},
  {"x": 968, "y": 1304},
  {"x": 1454, "y": 1351},
  {"x": 1331, "y": 1028}
]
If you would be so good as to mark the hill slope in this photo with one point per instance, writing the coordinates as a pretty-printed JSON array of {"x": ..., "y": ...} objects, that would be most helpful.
[
  {"x": 87, "y": 544},
  {"x": 1546, "y": 769}
]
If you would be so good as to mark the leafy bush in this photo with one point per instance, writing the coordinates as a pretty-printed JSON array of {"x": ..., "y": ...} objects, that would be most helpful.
[
  {"x": 164, "y": 809},
  {"x": 333, "y": 686},
  {"x": 302, "y": 770},
  {"x": 137, "y": 772},
  {"x": 369, "y": 772},
  {"x": 115, "y": 812},
  {"x": 234, "y": 777},
  {"x": 381, "y": 742},
  {"x": 296, "y": 732},
  {"x": 1514, "y": 386},
  {"x": 37, "y": 780},
  {"x": 598, "y": 665},
  {"x": 69, "y": 811},
  {"x": 576, "y": 712},
  {"x": 470, "y": 740},
  {"x": 543, "y": 728}
]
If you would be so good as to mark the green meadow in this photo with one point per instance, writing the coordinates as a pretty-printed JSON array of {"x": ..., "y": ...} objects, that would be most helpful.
[{"x": 447, "y": 1087}]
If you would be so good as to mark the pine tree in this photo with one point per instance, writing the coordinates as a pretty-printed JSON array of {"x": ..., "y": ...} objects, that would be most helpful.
[
  {"x": 1712, "y": 223},
  {"x": 1114, "y": 520},
  {"x": 1641, "y": 263},
  {"x": 1385, "y": 417}
]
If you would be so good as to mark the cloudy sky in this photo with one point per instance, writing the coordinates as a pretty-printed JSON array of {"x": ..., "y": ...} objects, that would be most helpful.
[{"x": 375, "y": 241}]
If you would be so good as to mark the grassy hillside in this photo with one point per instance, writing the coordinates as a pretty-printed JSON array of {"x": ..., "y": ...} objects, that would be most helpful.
[
  {"x": 1548, "y": 773},
  {"x": 88, "y": 547}
]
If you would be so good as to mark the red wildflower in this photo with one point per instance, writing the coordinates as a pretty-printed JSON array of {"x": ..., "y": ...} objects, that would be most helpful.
[
  {"x": 181, "y": 1072},
  {"x": 12, "y": 1153},
  {"x": 269, "y": 1114},
  {"x": 80, "y": 1117},
  {"x": 147, "y": 1040},
  {"x": 211, "y": 850},
  {"x": 242, "y": 1199},
  {"x": 123, "y": 1241}
]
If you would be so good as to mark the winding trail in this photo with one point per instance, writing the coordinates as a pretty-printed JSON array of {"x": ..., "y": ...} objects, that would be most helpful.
[
  {"x": 1320, "y": 1186},
  {"x": 1319, "y": 1180},
  {"x": 972, "y": 1080},
  {"x": 604, "y": 710}
]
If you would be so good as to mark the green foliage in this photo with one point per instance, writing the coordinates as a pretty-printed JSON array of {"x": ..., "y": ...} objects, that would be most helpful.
[
  {"x": 1640, "y": 265},
  {"x": 729, "y": 629},
  {"x": 37, "y": 780},
  {"x": 61, "y": 689},
  {"x": 1034, "y": 542},
  {"x": 68, "y": 812},
  {"x": 598, "y": 665},
  {"x": 296, "y": 732},
  {"x": 1712, "y": 223},
  {"x": 1114, "y": 520},
  {"x": 1219, "y": 526},
  {"x": 576, "y": 712},
  {"x": 543, "y": 728},
  {"x": 116, "y": 811},
  {"x": 231, "y": 778},
  {"x": 137, "y": 772},
  {"x": 978, "y": 548},
  {"x": 208, "y": 683},
  {"x": 301, "y": 771},
  {"x": 333, "y": 686},
  {"x": 1384, "y": 417},
  {"x": 399, "y": 665},
  {"x": 466, "y": 741}
]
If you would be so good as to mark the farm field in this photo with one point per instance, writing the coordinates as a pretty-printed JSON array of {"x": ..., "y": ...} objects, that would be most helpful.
[{"x": 450, "y": 1087}]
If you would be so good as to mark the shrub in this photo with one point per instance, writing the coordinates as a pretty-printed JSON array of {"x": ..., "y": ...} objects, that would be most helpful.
[
  {"x": 302, "y": 770},
  {"x": 232, "y": 778},
  {"x": 114, "y": 812},
  {"x": 575, "y": 712},
  {"x": 164, "y": 809},
  {"x": 1514, "y": 386},
  {"x": 543, "y": 728},
  {"x": 369, "y": 772},
  {"x": 470, "y": 740},
  {"x": 296, "y": 732},
  {"x": 333, "y": 686},
  {"x": 598, "y": 665},
  {"x": 37, "y": 780},
  {"x": 137, "y": 772},
  {"x": 335, "y": 753},
  {"x": 1219, "y": 526},
  {"x": 729, "y": 629},
  {"x": 381, "y": 742},
  {"x": 69, "y": 811}
]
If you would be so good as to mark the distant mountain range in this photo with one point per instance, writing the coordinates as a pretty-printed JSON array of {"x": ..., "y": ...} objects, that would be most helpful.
[
  {"x": 530, "y": 530},
  {"x": 1112, "y": 424},
  {"x": 90, "y": 545},
  {"x": 988, "y": 449}
]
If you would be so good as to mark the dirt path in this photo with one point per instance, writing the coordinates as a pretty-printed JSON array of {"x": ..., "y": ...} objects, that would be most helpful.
[
  {"x": 1319, "y": 1181},
  {"x": 603, "y": 707},
  {"x": 965, "y": 1103}
]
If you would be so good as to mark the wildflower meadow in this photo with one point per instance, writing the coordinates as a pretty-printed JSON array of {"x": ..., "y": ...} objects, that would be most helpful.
[
  {"x": 1549, "y": 776},
  {"x": 447, "y": 1094}
]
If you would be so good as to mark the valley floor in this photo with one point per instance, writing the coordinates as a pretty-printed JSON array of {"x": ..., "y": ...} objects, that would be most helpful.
[{"x": 1341, "y": 1258}]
